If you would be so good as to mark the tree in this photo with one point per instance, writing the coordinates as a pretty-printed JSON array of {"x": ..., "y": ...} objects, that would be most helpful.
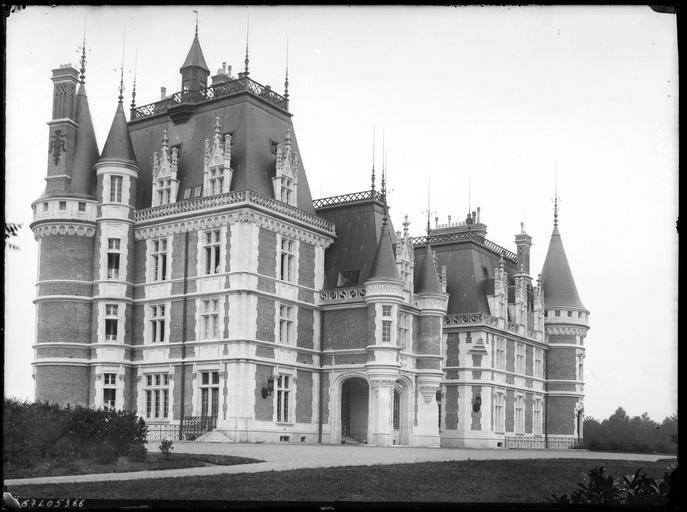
[{"x": 11, "y": 230}]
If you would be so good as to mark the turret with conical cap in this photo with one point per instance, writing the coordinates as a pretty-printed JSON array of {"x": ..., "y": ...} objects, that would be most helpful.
[{"x": 194, "y": 71}]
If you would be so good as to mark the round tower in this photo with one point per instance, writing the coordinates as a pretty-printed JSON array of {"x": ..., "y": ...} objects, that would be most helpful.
[
  {"x": 64, "y": 227},
  {"x": 566, "y": 322},
  {"x": 117, "y": 176}
]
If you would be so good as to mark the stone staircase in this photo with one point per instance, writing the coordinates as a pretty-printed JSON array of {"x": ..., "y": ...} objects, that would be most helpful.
[{"x": 214, "y": 436}]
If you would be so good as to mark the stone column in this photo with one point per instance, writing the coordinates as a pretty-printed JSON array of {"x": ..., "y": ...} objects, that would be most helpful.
[{"x": 380, "y": 411}]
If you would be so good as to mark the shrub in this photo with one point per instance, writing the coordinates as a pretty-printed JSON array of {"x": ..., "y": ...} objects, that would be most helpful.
[
  {"x": 166, "y": 447},
  {"x": 107, "y": 453},
  {"x": 599, "y": 488},
  {"x": 138, "y": 452}
]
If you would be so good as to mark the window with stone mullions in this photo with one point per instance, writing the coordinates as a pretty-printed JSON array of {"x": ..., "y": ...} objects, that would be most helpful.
[
  {"x": 160, "y": 259},
  {"x": 500, "y": 353},
  {"x": 386, "y": 324},
  {"x": 111, "y": 322},
  {"x": 283, "y": 391},
  {"x": 538, "y": 363},
  {"x": 210, "y": 319},
  {"x": 115, "y": 189},
  {"x": 286, "y": 259},
  {"x": 520, "y": 358},
  {"x": 216, "y": 181},
  {"x": 285, "y": 324},
  {"x": 157, "y": 323},
  {"x": 157, "y": 396},
  {"x": 109, "y": 390},
  {"x": 164, "y": 190},
  {"x": 287, "y": 189},
  {"x": 499, "y": 414},
  {"x": 519, "y": 415},
  {"x": 113, "y": 258},
  {"x": 403, "y": 330},
  {"x": 209, "y": 393},
  {"x": 212, "y": 252},
  {"x": 537, "y": 417}
]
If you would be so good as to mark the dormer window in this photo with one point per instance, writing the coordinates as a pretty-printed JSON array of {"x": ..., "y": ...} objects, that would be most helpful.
[
  {"x": 217, "y": 159},
  {"x": 165, "y": 183},
  {"x": 287, "y": 190},
  {"x": 164, "y": 189},
  {"x": 285, "y": 179}
]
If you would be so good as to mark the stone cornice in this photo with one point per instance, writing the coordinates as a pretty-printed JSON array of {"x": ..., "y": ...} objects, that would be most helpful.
[
  {"x": 229, "y": 218},
  {"x": 568, "y": 331},
  {"x": 46, "y": 228}
]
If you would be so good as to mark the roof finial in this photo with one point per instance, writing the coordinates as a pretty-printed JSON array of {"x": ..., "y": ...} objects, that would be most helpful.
[
  {"x": 469, "y": 194},
  {"x": 165, "y": 141},
  {"x": 82, "y": 75},
  {"x": 555, "y": 199},
  {"x": 406, "y": 224},
  {"x": 246, "y": 60},
  {"x": 121, "y": 70},
  {"x": 218, "y": 129},
  {"x": 196, "y": 13},
  {"x": 429, "y": 183},
  {"x": 286, "y": 79},
  {"x": 133, "y": 90},
  {"x": 373, "y": 159}
]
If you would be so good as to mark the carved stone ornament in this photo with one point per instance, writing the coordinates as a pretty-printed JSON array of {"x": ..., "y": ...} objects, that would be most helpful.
[
  {"x": 58, "y": 145},
  {"x": 569, "y": 331},
  {"x": 44, "y": 230},
  {"x": 379, "y": 383},
  {"x": 429, "y": 392}
]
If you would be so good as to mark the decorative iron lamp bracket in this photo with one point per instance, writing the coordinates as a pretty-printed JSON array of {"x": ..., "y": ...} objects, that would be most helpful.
[{"x": 267, "y": 391}]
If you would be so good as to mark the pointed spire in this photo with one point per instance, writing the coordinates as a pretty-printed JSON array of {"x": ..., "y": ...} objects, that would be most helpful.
[
  {"x": 195, "y": 56},
  {"x": 86, "y": 150},
  {"x": 133, "y": 90},
  {"x": 118, "y": 146},
  {"x": 195, "y": 11},
  {"x": 428, "y": 279},
  {"x": 557, "y": 279},
  {"x": 373, "y": 159},
  {"x": 218, "y": 130},
  {"x": 82, "y": 71},
  {"x": 286, "y": 79},
  {"x": 384, "y": 263}
]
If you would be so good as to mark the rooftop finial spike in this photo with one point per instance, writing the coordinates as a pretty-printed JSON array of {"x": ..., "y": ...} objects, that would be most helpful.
[
  {"x": 469, "y": 194},
  {"x": 196, "y": 13},
  {"x": 286, "y": 79},
  {"x": 165, "y": 141},
  {"x": 373, "y": 158},
  {"x": 82, "y": 75},
  {"x": 246, "y": 60},
  {"x": 121, "y": 70},
  {"x": 555, "y": 198},
  {"x": 133, "y": 90},
  {"x": 429, "y": 182}
]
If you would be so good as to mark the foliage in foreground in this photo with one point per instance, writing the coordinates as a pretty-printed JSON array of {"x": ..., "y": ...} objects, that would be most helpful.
[
  {"x": 600, "y": 488},
  {"x": 622, "y": 433},
  {"x": 33, "y": 431}
]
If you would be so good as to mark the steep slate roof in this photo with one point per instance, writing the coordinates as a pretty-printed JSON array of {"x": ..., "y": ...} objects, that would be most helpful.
[
  {"x": 557, "y": 279},
  {"x": 195, "y": 56},
  {"x": 118, "y": 145},
  {"x": 428, "y": 278},
  {"x": 469, "y": 274},
  {"x": 86, "y": 151},
  {"x": 254, "y": 126},
  {"x": 384, "y": 262},
  {"x": 358, "y": 230}
]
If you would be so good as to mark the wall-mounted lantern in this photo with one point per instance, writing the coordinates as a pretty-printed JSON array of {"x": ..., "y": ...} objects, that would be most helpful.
[
  {"x": 477, "y": 404},
  {"x": 267, "y": 391}
]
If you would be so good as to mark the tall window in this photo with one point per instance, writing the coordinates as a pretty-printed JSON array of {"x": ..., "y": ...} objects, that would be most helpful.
[
  {"x": 111, "y": 322},
  {"x": 287, "y": 189},
  {"x": 499, "y": 412},
  {"x": 157, "y": 323},
  {"x": 519, "y": 415},
  {"x": 113, "y": 258},
  {"x": 538, "y": 362},
  {"x": 500, "y": 353},
  {"x": 537, "y": 417},
  {"x": 160, "y": 259},
  {"x": 209, "y": 393},
  {"x": 109, "y": 390},
  {"x": 404, "y": 330},
  {"x": 212, "y": 251},
  {"x": 286, "y": 259},
  {"x": 286, "y": 324},
  {"x": 116, "y": 189},
  {"x": 386, "y": 324},
  {"x": 157, "y": 396},
  {"x": 216, "y": 181},
  {"x": 209, "y": 319},
  {"x": 283, "y": 390},
  {"x": 397, "y": 409},
  {"x": 519, "y": 358},
  {"x": 164, "y": 190}
]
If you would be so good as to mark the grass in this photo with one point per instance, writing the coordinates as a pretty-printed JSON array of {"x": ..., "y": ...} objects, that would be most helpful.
[
  {"x": 153, "y": 462},
  {"x": 508, "y": 481}
]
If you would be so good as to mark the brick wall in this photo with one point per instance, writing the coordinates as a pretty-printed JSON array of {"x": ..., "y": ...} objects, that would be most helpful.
[
  {"x": 305, "y": 327},
  {"x": 344, "y": 329},
  {"x": 265, "y": 320},
  {"x": 263, "y": 406},
  {"x": 529, "y": 407},
  {"x": 304, "y": 397},
  {"x": 510, "y": 410},
  {"x": 52, "y": 327},
  {"x": 476, "y": 416},
  {"x": 430, "y": 335},
  {"x": 452, "y": 349},
  {"x": 560, "y": 415},
  {"x": 324, "y": 409},
  {"x": 451, "y": 415},
  {"x": 562, "y": 363},
  {"x": 529, "y": 360},
  {"x": 66, "y": 257},
  {"x": 63, "y": 384},
  {"x": 267, "y": 253},
  {"x": 85, "y": 289},
  {"x": 306, "y": 265},
  {"x": 510, "y": 355}
]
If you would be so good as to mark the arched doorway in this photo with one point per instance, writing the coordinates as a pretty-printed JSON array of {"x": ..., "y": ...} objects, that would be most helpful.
[
  {"x": 401, "y": 412},
  {"x": 354, "y": 410}
]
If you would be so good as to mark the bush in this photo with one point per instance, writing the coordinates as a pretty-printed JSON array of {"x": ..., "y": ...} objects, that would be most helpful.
[
  {"x": 599, "y": 488},
  {"x": 107, "y": 453},
  {"x": 138, "y": 452},
  {"x": 166, "y": 447}
]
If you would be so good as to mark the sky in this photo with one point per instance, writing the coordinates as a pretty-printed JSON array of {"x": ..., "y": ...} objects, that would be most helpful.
[{"x": 494, "y": 107}]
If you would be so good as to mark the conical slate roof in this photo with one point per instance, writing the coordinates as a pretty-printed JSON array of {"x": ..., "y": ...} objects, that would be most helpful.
[
  {"x": 384, "y": 263},
  {"x": 195, "y": 56},
  {"x": 428, "y": 279},
  {"x": 557, "y": 279},
  {"x": 118, "y": 145},
  {"x": 86, "y": 151}
]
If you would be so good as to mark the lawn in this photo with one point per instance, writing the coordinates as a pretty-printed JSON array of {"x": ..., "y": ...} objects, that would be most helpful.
[
  {"x": 505, "y": 481},
  {"x": 154, "y": 461}
]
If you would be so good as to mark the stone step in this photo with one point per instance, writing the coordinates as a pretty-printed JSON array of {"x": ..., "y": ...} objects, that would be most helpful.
[{"x": 214, "y": 436}]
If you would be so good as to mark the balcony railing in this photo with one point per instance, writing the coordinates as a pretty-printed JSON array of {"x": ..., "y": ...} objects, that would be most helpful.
[
  {"x": 224, "y": 89},
  {"x": 158, "y": 432},
  {"x": 470, "y": 318},
  {"x": 542, "y": 442},
  {"x": 348, "y": 198},
  {"x": 351, "y": 294},
  {"x": 192, "y": 427},
  {"x": 239, "y": 197},
  {"x": 465, "y": 236}
]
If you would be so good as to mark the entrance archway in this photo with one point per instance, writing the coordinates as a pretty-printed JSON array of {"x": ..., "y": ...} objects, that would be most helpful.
[
  {"x": 354, "y": 410},
  {"x": 401, "y": 412}
]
